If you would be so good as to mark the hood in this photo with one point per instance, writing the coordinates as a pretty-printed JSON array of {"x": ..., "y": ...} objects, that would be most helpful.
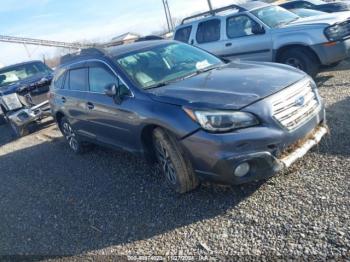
[
  {"x": 233, "y": 86},
  {"x": 27, "y": 84},
  {"x": 328, "y": 19}
]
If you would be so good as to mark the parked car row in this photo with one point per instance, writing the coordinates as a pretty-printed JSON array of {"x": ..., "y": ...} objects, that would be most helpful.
[
  {"x": 263, "y": 32},
  {"x": 198, "y": 115}
]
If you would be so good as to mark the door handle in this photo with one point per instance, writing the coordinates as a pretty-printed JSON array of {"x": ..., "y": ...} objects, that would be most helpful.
[
  {"x": 228, "y": 44},
  {"x": 90, "y": 106},
  {"x": 64, "y": 100}
]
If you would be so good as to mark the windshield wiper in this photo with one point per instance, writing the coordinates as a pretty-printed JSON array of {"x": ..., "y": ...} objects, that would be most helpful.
[{"x": 165, "y": 83}]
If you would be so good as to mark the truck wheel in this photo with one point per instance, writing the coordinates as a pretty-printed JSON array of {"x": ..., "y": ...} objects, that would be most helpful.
[
  {"x": 177, "y": 170},
  {"x": 19, "y": 131},
  {"x": 302, "y": 59},
  {"x": 69, "y": 134}
]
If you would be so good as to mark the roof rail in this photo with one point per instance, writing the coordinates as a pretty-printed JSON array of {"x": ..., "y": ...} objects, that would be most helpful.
[
  {"x": 88, "y": 52},
  {"x": 214, "y": 12}
]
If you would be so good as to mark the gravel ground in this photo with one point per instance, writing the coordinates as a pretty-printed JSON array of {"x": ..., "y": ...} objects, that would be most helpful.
[{"x": 54, "y": 203}]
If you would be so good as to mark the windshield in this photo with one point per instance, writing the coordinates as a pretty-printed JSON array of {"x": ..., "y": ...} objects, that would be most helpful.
[
  {"x": 307, "y": 12},
  {"x": 17, "y": 73},
  {"x": 166, "y": 63},
  {"x": 316, "y": 2},
  {"x": 275, "y": 16}
]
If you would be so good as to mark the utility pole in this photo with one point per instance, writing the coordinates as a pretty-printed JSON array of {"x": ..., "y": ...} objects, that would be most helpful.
[
  {"x": 168, "y": 16},
  {"x": 210, "y": 6}
]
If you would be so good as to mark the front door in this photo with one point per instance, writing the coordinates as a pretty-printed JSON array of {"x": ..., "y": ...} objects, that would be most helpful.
[{"x": 109, "y": 121}]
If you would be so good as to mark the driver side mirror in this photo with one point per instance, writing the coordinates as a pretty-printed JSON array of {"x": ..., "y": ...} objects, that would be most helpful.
[
  {"x": 113, "y": 91},
  {"x": 258, "y": 29}
]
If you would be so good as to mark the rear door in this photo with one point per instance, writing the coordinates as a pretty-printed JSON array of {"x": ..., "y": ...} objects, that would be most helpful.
[
  {"x": 245, "y": 41},
  {"x": 208, "y": 36},
  {"x": 73, "y": 97}
]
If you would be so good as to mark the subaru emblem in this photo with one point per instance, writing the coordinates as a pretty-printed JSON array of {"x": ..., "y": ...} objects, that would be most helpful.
[{"x": 300, "y": 101}]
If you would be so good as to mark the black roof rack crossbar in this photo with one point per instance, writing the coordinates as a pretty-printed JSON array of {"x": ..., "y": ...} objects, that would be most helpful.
[{"x": 214, "y": 12}]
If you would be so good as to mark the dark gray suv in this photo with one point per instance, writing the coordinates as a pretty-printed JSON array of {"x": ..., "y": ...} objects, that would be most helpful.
[{"x": 197, "y": 116}]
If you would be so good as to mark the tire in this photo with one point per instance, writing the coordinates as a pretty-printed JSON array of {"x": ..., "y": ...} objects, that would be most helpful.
[
  {"x": 19, "y": 131},
  {"x": 69, "y": 134},
  {"x": 302, "y": 59},
  {"x": 177, "y": 170}
]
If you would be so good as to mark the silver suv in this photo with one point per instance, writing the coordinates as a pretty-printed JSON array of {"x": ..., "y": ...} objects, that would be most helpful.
[{"x": 263, "y": 32}]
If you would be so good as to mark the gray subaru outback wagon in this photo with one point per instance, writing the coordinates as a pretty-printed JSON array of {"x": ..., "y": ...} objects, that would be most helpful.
[{"x": 199, "y": 117}]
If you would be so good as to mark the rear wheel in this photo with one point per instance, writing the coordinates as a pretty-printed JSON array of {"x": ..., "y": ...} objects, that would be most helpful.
[
  {"x": 69, "y": 134},
  {"x": 177, "y": 170},
  {"x": 302, "y": 59}
]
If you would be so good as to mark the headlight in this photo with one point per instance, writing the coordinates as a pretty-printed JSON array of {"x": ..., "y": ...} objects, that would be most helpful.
[
  {"x": 12, "y": 102},
  {"x": 222, "y": 121},
  {"x": 335, "y": 32}
]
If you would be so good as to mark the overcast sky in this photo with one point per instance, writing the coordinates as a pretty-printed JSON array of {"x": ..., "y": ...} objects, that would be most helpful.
[{"x": 67, "y": 20}]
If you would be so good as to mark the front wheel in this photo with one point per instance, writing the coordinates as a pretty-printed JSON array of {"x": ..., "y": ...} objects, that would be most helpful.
[
  {"x": 177, "y": 170},
  {"x": 302, "y": 59},
  {"x": 69, "y": 134}
]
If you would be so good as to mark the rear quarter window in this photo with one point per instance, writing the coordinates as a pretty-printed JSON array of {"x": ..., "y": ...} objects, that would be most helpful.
[
  {"x": 59, "y": 79},
  {"x": 208, "y": 31},
  {"x": 183, "y": 34}
]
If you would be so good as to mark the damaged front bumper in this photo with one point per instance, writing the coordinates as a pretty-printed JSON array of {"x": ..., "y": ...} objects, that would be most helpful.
[
  {"x": 303, "y": 147},
  {"x": 244, "y": 162},
  {"x": 26, "y": 116}
]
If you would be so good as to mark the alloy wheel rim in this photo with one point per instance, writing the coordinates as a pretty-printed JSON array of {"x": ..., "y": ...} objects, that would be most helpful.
[
  {"x": 70, "y": 136},
  {"x": 166, "y": 163},
  {"x": 295, "y": 62}
]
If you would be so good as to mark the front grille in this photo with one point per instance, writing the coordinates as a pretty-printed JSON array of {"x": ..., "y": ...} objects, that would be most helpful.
[{"x": 295, "y": 105}]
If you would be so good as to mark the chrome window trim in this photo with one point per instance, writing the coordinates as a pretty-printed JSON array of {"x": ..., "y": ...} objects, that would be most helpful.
[{"x": 113, "y": 71}]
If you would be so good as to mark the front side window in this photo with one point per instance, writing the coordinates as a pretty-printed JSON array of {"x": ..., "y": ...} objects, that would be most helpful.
[
  {"x": 100, "y": 78},
  {"x": 77, "y": 79},
  {"x": 240, "y": 26},
  {"x": 183, "y": 34},
  {"x": 165, "y": 63},
  {"x": 275, "y": 16},
  {"x": 208, "y": 31}
]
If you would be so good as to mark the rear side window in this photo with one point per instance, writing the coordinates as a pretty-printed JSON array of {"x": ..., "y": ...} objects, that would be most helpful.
[
  {"x": 183, "y": 34},
  {"x": 240, "y": 26},
  {"x": 208, "y": 31},
  {"x": 78, "y": 79}
]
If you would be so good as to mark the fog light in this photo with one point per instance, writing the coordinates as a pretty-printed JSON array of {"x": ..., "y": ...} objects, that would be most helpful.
[{"x": 242, "y": 170}]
